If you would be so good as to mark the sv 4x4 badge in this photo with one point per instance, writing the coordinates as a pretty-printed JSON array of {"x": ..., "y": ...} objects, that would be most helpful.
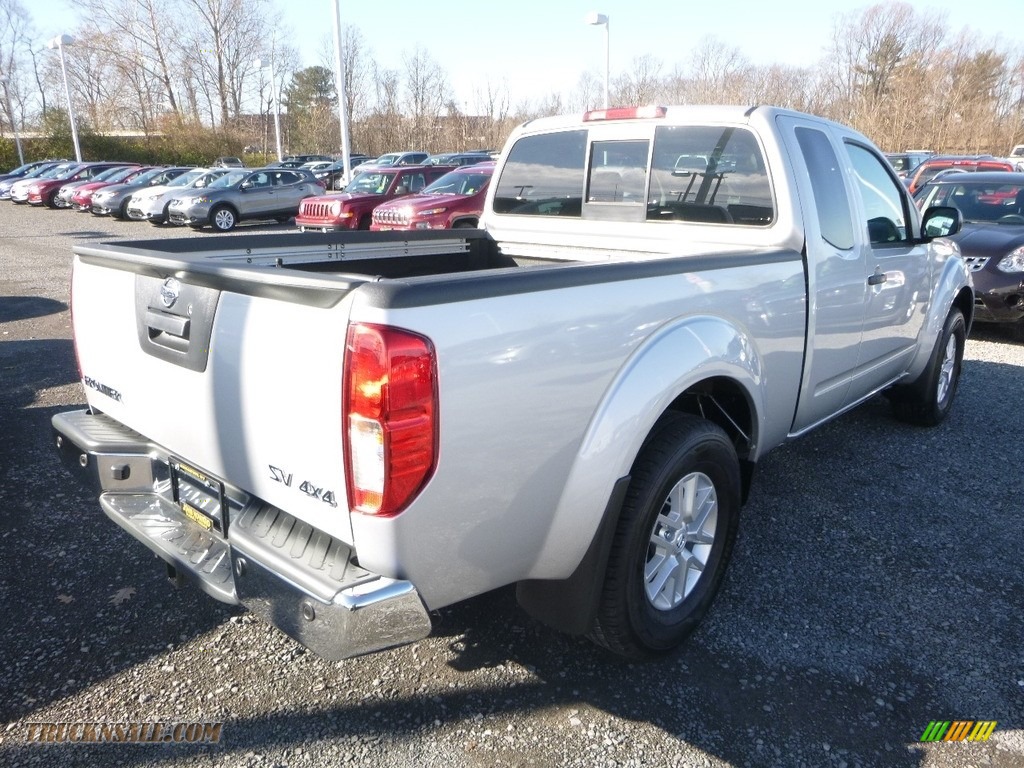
[{"x": 285, "y": 478}]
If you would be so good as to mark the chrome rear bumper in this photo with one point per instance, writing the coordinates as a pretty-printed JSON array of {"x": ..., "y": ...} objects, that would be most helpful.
[{"x": 301, "y": 580}]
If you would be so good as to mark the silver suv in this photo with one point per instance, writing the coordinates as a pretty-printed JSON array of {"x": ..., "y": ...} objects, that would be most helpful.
[{"x": 264, "y": 193}]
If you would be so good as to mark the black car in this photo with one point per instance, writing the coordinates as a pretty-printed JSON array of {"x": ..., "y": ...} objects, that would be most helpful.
[{"x": 991, "y": 240}]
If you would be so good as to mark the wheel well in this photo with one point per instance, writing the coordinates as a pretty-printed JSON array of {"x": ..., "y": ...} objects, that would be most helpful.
[
  {"x": 229, "y": 206},
  {"x": 725, "y": 403},
  {"x": 964, "y": 301},
  {"x": 467, "y": 223}
]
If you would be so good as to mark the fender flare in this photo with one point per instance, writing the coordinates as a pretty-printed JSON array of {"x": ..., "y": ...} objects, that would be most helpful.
[{"x": 675, "y": 358}]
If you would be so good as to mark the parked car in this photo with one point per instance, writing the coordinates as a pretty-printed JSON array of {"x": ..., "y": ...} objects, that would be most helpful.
[
  {"x": 19, "y": 189},
  {"x": 81, "y": 196},
  {"x": 905, "y": 163},
  {"x": 334, "y": 177},
  {"x": 991, "y": 240},
  {"x": 35, "y": 173},
  {"x": 21, "y": 170},
  {"x": 265, "y": 193},
  {"x": 302, "y": 159},
  {"x": 353, "y": 208},
  {"x": 45, "y": 191},
  {"x": 113, "y": 200},
  {"x": 399, "y": 158},
  {"x": 152, "y": 203},
  {"x": 927, "y": 170},
  {"x": 317, "y": 165},
  {"x": 227, "y": 162},
  {"x": 457, "y": 158},
  {"x": 453, "y": 201},
  {"x": 67, "y": 192}
]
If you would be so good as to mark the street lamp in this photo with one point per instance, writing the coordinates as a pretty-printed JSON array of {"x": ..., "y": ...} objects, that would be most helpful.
[
  {"x": 339, "y": 84},
  {"x": 59, "y": 42},
  {"x": 4, "y": 81},
  {"x": 599, "y": 19},
  {"x": 277, "y": 106}
]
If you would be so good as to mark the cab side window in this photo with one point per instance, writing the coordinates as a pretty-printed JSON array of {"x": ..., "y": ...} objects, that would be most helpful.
[
  {"x": 711, "y": 174},
  {"x": 884, "y": 206},
  {"x": 827, "y": 185}
]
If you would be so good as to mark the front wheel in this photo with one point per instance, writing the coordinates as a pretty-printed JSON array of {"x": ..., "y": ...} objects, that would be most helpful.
[
  {"x": 928, "y": 401},
  {"x": 222, "y": 218},
  {"x": 673, "y": 541}
]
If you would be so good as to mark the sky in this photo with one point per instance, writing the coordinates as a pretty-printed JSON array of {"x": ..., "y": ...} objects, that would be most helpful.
[{"x": 539, "y": 47}]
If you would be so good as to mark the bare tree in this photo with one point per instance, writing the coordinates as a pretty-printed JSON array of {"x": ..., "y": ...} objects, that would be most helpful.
[
  {"x": 226, "y": 38},
  {"x": 641, "y": 85},
  {"x": 15, "y": 34},
  {"x": 144, "y": 35},
  {"x": 426, "y": 94}
]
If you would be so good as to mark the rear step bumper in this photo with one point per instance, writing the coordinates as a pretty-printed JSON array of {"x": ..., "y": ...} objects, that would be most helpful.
[{"x": 297, "y": 578}]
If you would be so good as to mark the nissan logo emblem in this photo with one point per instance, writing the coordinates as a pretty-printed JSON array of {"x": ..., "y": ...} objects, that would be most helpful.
[{"x": 170, "y": 291}]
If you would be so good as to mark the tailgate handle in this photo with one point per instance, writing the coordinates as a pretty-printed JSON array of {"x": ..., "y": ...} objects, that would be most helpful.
[{"x": 174, "y": 325}]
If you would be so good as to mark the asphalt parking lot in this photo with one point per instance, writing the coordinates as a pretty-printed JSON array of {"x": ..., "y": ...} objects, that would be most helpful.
[{"x": 876, "y": 586}]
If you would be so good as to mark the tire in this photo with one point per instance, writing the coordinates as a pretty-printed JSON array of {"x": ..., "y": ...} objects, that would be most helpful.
[
  {"x": 929, "y": 400},
  {"x": 464, "y": 225},
  {"x": 223, "y": 219},
  {"x": 688, "y": 469},
  {"x": 51, "y": 199},
  {"x": 365, "y": 222}
]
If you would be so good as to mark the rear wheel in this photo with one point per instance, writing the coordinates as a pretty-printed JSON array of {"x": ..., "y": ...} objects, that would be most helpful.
[
  {"x": 673, "y": 541},
  {"x": 928, "y": 401},
  {"x": 222, "y": 218}
]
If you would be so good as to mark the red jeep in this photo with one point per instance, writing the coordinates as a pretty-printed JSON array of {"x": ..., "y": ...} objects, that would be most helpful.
[
  {"x": 352, "y": 208},
  {"x": 455, "y": 200}
]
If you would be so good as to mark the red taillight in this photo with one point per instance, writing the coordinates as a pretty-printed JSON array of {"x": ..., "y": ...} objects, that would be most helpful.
[
  {"x": 389, "y": 409},
  {"x": 624, "y": 113}
]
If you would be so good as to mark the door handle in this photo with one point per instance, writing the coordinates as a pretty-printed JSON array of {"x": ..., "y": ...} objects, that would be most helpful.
[{"x": 877, "y": 279}]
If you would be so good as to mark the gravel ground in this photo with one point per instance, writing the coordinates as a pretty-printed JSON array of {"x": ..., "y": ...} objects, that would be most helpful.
[{"x": 876, "y": 586}]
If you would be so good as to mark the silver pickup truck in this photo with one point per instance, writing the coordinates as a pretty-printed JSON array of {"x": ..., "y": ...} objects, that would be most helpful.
[{"x": 344, "y": 432}]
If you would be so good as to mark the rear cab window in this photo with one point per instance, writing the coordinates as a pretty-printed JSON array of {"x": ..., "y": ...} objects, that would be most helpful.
[{"x": 695, "y": 174}]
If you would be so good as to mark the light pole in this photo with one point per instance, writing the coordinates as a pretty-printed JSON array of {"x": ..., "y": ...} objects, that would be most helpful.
[
  {"x": 4, "y": 81},
  {"x": 339, "y": 85},
  {"x": 59, "y": 42},
  {"x": 277, "y": 106},
  {"x": 599, "y": 19}
]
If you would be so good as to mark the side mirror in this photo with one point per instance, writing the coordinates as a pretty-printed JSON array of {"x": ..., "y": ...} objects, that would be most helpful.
[{"x": 941, "y": 221}]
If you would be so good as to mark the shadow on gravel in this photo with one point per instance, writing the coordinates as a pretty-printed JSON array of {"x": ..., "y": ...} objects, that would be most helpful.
[
  {"x": 89, "y": 234},
  {"x": 29, "y": 365},
  {"x": 28, "y": 307},
  {"x": 875, "y": 586},
  {"x": 1000, "y": 333}
]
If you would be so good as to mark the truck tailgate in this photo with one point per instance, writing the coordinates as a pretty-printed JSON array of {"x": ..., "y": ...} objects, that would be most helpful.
[{"x": 189, "y": 365}]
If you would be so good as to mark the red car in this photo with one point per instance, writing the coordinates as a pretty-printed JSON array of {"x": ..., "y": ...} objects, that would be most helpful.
[
  {"x": 81, "y": 200},
  {"x": 352, "y": 208},
  {"x": 44, "y": 191},
  {"x": 933, "y": 166},
  {"x": 453, "y": 201}
]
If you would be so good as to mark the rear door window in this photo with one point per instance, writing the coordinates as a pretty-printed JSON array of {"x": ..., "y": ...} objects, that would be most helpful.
[{"x": 543, "y": 176}]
